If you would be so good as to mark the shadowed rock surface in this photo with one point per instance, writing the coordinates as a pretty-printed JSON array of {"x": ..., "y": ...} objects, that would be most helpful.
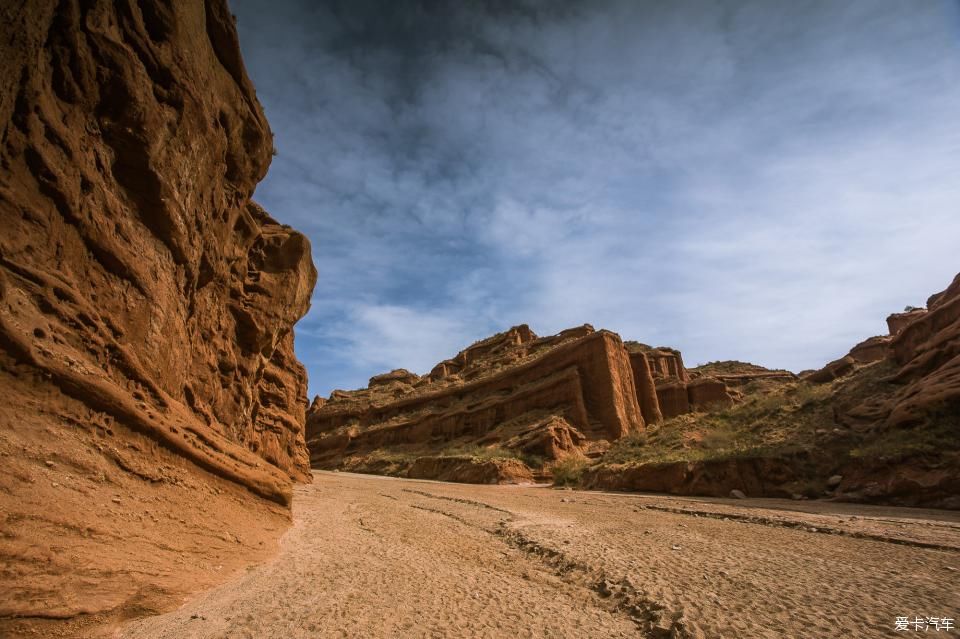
[
  {"x": 147, "y": 376},
  {"x": 928, "y": 353}
]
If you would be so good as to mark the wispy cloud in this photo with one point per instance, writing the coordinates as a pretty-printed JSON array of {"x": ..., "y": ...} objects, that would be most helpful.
[{"x": 740, "y": 179}]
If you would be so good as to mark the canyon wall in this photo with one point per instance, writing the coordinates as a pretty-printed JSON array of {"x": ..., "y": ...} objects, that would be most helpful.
[
  {"x": 924, "y": 347},
  {"x": 544, "y": 398},
  {"x": 146, "y": 303},
  {"x": 927, "y": 350},
  {"x": 879, "y": 424},
  {"x": 513, "y": 396},
  {"x": 661, "y": 376}
]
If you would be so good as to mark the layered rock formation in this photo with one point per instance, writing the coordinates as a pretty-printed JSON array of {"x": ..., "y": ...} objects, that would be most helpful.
[
  {"x": 872, "y": 349},
  {"x": 927, "y": 351},
  {"x": 539, "y": 398},
  {"x": 879, "y": 425},
  {"x": 738, "y": 376},
  {"x": 146, "y": 304},
  {"x": 921, "y": 341},
  {"x": 676, "y": 391},
  {"x": 514, "y": 394}
]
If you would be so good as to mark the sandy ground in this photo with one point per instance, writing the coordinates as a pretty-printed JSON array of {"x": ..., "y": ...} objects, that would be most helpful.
[
  {"x": 379, "y": 557},
  {"x": 100, "y": 525}
]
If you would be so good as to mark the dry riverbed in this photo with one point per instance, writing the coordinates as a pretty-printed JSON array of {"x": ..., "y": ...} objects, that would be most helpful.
[{"x": 373, "y": 556}]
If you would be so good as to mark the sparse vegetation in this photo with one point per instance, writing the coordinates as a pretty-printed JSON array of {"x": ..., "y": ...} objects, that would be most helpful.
[
  {"x": 729, "y": 367},
  {"x": 792, "y": 418},
  {"x": 718, "y": 440},
  {"x": 478, "y": 452},
  {"x": 491, "y": 452},
  {"x": 771, "y": 420},
  {"x": 627, "y": 448},
  {"x": 383, "y": 461},
  {"x": 569, "y": 471},
  {"x": 937, "y": 434}
]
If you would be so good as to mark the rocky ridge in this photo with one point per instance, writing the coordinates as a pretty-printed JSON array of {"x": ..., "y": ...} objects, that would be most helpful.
[
  {"x": 513, "y": 393},
  {"x": 516, "y": 401}
]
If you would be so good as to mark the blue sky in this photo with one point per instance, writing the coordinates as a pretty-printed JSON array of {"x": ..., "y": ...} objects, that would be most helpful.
[{"x": 762, "y": 180}]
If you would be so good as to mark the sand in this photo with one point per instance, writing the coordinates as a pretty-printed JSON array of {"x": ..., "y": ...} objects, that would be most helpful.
[{"x": 373, "y": 556}]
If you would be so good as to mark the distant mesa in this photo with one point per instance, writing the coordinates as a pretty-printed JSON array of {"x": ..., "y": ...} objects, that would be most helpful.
[
  {"x": 506, "y": 397},
  {"x": 512, "y": 396}
]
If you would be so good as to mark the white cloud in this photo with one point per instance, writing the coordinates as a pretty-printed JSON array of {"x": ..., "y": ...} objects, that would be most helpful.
[{"x": 754, "y": 180}]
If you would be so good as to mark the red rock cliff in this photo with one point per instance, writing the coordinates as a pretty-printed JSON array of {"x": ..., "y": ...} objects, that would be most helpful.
[
  {"x": 546, "y": 397},
  {"x": 666, "y": 388},
  {"x": 927, "y": 349},
  {"x": 136, "y": 276},
  {"x": 146, "y": 306}
]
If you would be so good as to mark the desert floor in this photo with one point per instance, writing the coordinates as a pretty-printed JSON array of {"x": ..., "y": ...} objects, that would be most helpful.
[{"x": 379, "y": 557}]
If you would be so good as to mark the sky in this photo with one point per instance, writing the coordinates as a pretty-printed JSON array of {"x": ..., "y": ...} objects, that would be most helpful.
[{"x": 761, "y": 180}]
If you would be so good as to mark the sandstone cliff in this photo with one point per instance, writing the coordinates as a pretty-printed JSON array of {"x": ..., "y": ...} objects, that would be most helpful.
[
  {"x": 146, "y": 303},
  {"x": 511, "y": 395},
  {"x": 879, "y": 424},
  {"x": 678, "y": 391},
  {"x": 924, "y": 350}
]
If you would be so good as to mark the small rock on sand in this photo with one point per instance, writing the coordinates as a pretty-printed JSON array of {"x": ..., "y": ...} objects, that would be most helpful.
[
  {"x": 834, "y": 481},
  {"x": 737, "y": 494}
]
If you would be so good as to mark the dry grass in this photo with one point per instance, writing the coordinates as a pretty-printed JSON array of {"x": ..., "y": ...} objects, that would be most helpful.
[
  {"x": 770, "y": 421},
  {"x": 791, "y": 418},
  {"x": 938, "y": 434},
  {"x": 491, "y": 452}
]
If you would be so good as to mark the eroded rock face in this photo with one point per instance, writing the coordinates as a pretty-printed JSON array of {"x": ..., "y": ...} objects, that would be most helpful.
[
  {"x": 928, "y": 353},
  {"x": 737, "y": 375},
  {"x": 645, "y": 387},
  {"x": 136, "y": 275},
  {"x": 146, "y": 303},
  {"x": 708, "y": 392},
  {"x": 753, "y": 476},
  {"x": 924, "y": 343},
  {"x": 834, "y": 370},
  {"x": 896, "y": 322},
  {"x": 872, "y": 349},
  {"x": 470, "y": 470},
  {"x": 667, "y": 389},
  {"x": 542, "y": 398}
]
